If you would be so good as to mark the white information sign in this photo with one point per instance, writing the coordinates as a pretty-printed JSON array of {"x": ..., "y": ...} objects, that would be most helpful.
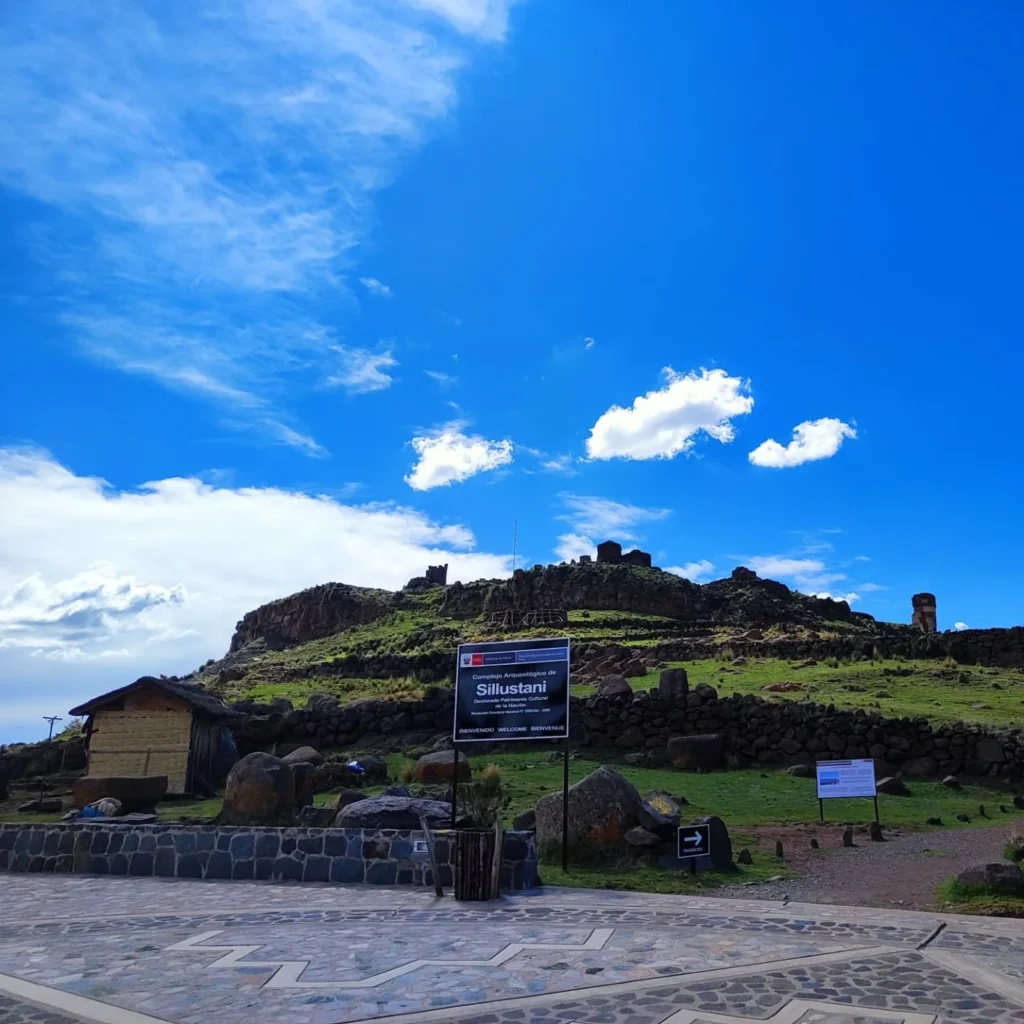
[{"x": 846, "y": 778}]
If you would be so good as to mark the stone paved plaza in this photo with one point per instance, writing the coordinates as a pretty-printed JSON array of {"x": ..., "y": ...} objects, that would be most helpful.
[{"x": 137, "y": 950}]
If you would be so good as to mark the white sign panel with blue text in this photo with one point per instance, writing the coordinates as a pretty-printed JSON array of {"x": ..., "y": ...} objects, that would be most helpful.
[
  {"x": 512, "y": 690},
  {"x": 845, "y": 778}
]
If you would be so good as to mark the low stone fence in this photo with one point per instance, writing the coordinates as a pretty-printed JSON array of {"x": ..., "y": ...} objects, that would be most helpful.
[{"x": 278, "y": 854}]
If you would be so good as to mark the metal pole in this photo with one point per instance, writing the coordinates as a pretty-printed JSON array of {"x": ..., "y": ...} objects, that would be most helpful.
[
  {"x": 455, "y": 780},
  {"x": 878, "y": 820},
  {"x": 46, "y": 757},
  {"x": 821, "y": 808},
  {"x": 565, "y": 805}
]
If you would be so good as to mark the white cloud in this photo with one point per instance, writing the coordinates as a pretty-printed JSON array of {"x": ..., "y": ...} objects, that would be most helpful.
[
  {"x": 362, "y": 371},
  {"x": 812, "y": 440},
  {"x": 773, "y": 566},
  {"x": 445, "y": 380},
  {"x": 447, "y": 456},
  {"x": 588, "y": 342},
  {"x": 163, "y": 572},
  {"x": 213, "y": 175},
  {"x": 959, "y": 626},
  {"x": 870, "y": 588},
  {"x": 848, "y": 598},
  {"x": 664, "y": 423},
  {"x": 375, "y": 287},
  {"x": 861, "y": 558},
  {"x": 598, "y": 519},
  {"x": 693, "y": 571},
  {"x": 564, "y": 464}
]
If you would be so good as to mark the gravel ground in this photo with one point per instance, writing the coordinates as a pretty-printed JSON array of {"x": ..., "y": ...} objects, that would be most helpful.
[{"x": 902, "y": 872}]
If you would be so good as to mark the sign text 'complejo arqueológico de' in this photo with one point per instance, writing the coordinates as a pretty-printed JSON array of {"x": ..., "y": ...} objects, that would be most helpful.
[{"x": 512, "y": 690}]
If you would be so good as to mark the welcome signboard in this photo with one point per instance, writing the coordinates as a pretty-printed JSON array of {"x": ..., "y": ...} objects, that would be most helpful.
[
  {"x": 512, "y": 690},
  {"x": 846, "y": 778}
]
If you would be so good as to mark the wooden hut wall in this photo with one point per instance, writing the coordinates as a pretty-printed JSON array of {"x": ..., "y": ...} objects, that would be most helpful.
[
  {"x": 149, "y": 734},
  {"x": 203, "y": 754}
]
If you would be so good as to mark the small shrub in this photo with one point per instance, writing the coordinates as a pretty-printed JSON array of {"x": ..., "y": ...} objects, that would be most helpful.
[
  {"x": 407, "y": 771},
  {"x": 950, "y": 662},
  {"x": 485, "y": 799}
]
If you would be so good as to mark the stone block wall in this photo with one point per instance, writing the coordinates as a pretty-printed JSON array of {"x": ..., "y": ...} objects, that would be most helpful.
[{"x": 216, "y": 851}]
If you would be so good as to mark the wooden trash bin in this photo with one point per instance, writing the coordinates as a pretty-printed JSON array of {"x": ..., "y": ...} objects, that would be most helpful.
[{"x": 477, "y": 863}]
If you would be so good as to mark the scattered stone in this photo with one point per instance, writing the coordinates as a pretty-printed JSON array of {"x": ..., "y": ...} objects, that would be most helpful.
[
  {"x": 397, "y": 791},
  {"x": 613, "y": 686},
  {"x": 721, "y": 843},
  {"x": 848, "y": 837},
  {"x": 933, "y": 820},
  {"x": 673, "y": 685},
  {"x": 779, "y": 852},
  {"x": 801, "y": 771},
  {"x": 951, "y": 782},
  {"x": 740, "y": 660},
  {"x": 875, "y": 831},
  {"x": 659, "y": 812},
  {"x": 1000, "y": 877},
  {"x": 964, "y": 817},
  {"x": 1018, "y": 802},
  {"x": 350, "y": 796},
  {"x": 891, "y": 786},
  {"x": 603, "y": 807},
  {"x": 1015, "y": 845},
  {"x": 260, "y": 790},
  {"x": 640, "y": 836},
  {"x": 439, "y": 767},
  {"x": 981, "y": 707},
  {"x": 44, "y": 805},
  {"x": 394, "y": 812},
  {"x": 307, "y": 754},
  {"x": 1002, "y": 809},
  {"x": 638, "y": 759},
  {"x": 981, "y": 811},
  {"x": 698, "y": 753},
  {"x": 744, "y": 857},
  {"x": 322, "y": 703},
  {"x": 525, "y": 822},
  {"x": 815, "y": 844},
  {"x": 784, "y": 688},
  {"x": 316, "y": 817},
  {"x": 806, "y": 663}
]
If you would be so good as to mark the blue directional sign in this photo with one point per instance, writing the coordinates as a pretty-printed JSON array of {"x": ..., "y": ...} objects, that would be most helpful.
[{"x": 693, "y": 841}]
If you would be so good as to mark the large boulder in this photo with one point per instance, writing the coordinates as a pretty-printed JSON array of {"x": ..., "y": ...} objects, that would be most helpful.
[
  {"x": 307, "y": 754},
  {"x": 136, "y": 793},
  {"x": 394, "y": 812},
  {"x": 999, "y": 876},
  {"x": 613, "y": 686},
  {"x": 721, "y": 844},
  {"x": 642, "y": 837},
  {"x": 659, "y": 812},
  {"x": 697, "y": 753},
  {"x": 305, "y": 782},
  {"x": 440, "y": 767},
  {"x": 1015, "y": 845},
  {"x": 603, "y": 807},
  {"x": 673, "y": 685},
  {"x": 260, "y": 790}
]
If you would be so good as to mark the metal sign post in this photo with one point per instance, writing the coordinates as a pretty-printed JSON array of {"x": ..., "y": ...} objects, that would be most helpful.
[
  {"x": 514, "y": 690},
  {"x": 693, "y": 841}
]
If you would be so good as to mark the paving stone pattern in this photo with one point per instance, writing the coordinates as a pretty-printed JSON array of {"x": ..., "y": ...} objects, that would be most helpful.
[{"x": 247, "y": 952}]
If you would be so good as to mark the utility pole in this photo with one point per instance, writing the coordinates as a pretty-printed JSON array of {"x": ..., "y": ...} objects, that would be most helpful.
[{"x": 46, "y": 767}]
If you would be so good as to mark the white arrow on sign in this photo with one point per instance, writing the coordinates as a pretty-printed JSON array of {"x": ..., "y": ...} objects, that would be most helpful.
[{"x": 695, "y": 838}]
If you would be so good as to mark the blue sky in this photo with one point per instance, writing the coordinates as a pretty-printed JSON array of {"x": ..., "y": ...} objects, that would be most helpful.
[{"x": 312, "y": 290}]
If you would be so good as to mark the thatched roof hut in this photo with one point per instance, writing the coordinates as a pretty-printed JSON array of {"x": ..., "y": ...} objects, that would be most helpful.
[{"x": 159, "y": 727}]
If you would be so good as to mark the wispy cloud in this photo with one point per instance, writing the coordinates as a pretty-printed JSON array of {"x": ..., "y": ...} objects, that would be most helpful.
[
  {"x": 588, "y": 343},
  {"x": 213, "y": 165},
  {"x": 444, "y": 380},
  {"x": 693, "y": 571},
  {"x": 812, "y": 440},
  {"x": 596, "y": 519},
  {"x": 360, "y": 370},
  {"x": 447, "y": 455},
  {"x": 663, "y": 423},
  {"x": 375, "y": 287}
]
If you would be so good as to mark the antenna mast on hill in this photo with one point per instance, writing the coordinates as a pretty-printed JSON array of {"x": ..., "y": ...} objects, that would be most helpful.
[{"x": 515, "y": 539}]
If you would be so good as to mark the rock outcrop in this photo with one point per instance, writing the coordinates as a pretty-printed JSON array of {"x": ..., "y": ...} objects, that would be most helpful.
[
  {"x": 603, "y": 807},
  {"x": 260, "y": 790}
]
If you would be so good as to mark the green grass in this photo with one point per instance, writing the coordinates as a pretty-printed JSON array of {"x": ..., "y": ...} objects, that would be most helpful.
[
  {"x": 927, "y": 691},
  {"x": 299, "y": 691},
  {"x": 978, "y": 899}
]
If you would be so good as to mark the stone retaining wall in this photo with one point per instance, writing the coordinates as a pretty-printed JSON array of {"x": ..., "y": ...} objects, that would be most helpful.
[{"x": 217, "y": 851}]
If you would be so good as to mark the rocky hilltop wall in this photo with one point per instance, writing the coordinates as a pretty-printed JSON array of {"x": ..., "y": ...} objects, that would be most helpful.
[
  {"x": 312, "y": 614},
  {"x": 755, "y": 731},
  {"x": 601, "y": 586}
]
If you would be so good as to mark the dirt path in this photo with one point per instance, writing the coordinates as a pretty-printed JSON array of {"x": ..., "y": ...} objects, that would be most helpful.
[{"x": 902, "y": 872}]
